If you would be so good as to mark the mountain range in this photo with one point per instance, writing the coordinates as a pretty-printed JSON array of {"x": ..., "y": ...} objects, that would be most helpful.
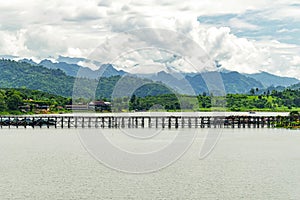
[
  {"x": 268, "y": 79},
  {"x": 75, "y": 70},
  {"x": 71, "y": 67},
  {"x": 66, "y": 69}
]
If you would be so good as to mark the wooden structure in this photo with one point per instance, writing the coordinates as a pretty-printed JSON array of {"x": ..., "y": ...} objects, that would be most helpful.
[{"x": 60, "y": 121}]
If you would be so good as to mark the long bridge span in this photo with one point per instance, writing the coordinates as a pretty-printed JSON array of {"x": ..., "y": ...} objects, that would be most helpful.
[{"x": 119, "y": 121}]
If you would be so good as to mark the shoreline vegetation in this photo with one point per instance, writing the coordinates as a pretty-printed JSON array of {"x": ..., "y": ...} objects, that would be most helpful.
[
  {"x": 291, "y": 122},
  {"x": 25, "y": 101},
  {"x": 29, "y": 102}
]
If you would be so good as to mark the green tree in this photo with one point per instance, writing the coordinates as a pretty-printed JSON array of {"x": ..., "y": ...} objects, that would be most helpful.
[
  {"x": 14, "y": 101},
  {"x": 3, "y": 106}
]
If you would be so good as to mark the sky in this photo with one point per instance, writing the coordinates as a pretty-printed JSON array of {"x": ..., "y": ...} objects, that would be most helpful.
[{"x": 246, "y": 36}]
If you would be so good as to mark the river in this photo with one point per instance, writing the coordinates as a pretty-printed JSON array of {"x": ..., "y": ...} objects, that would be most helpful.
[{"x": 245, "y": 164}]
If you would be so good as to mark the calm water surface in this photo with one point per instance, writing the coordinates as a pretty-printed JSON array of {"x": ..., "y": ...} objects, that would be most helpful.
[{"x": 245, "y": 164}]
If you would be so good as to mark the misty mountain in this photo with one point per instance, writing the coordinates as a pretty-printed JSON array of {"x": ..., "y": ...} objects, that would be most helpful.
[
  {"x": 75, "y": 70},
  {"x": 183, "y": 83},
  {"x": 193, "y": 83},
  {"x": 174, "y": 81},
  {"x": 29, "y": 61},
  {"x": 69, "y": 69},
  {"x": 268, "y": 79},
  {"x": 295, "y": 86},
  {"x": 55, "y": 81},
  {"x": 70, "y": 60},
  {"x": 234, "y": 82}
]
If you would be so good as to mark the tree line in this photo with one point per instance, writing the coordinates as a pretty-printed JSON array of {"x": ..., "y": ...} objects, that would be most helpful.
[
  {"x": 17, "y": 101},
  {"x": 285, "y": 100}
]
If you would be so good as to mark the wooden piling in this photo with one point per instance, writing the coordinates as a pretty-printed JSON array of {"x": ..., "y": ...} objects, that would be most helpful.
[
  {"x": 202, "y": 125},
  {"x": 89, "y": 122},
  {"x": 208, "y": 122},
  {"x": 143, "y": 122},
  {"x": 176, "y": 122},
  {"x": 123, "y": 122},
  {"x": 103, "y": 122},
  {"x": 136, "y": 122},
  {"x": 149, "y": 122},
  {"x": 76, "y": 122},
  {"x": 109, "y": 122},
  {"x": 97, "y": 122},
  {"x": 129, "y": 122}
]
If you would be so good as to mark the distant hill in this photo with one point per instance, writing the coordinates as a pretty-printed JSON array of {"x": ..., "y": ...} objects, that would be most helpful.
[
  {"x": 75, "y": 70},
  {"x": 295, "y": 86},
  {"x": 20, "y": 74},
  {"x": 70, "y": 60},
  {"x": 193, "y": 83},
  {"x": 237, "y": 83},
  {"x": 29, "y": 61},
  {"x": 268, "y": 79},
  {"x": 58, "y": 78},
  {"x": 71, "y": 68},
  {"x": 174, "y": 81},
  {"x": 234, "y": 82},
  {"x": 55, "y": 81}
]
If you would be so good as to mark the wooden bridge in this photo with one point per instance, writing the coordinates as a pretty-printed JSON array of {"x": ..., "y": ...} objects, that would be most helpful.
[{"x": 144, "y": 121}]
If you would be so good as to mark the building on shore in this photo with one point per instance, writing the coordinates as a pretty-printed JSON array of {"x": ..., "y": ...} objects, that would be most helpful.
[
  {"x": 92, "y": 106},
  {"x": 99, "y": 106}
]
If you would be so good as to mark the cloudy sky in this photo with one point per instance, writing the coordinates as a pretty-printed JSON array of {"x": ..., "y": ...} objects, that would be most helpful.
[{"x": 247, "y": 36}]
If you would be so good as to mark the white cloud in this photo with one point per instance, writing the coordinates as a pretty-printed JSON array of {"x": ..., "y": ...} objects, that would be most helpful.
[
  {"x": 37, "y": 28},
  {"x": 234, "y": 53},
  {"x": 88, "y": 64},
  {"x": 286, "y": 12},
  {"x": 74, "y": 52},
  {"x": 13, "y": 44},
  {"x": 284, "y": 30},
  {"x": 295, "y": 60}
]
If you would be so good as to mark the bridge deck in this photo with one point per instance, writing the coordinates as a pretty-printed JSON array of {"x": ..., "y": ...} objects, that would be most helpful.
[{"x": 144, "y": 121}]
